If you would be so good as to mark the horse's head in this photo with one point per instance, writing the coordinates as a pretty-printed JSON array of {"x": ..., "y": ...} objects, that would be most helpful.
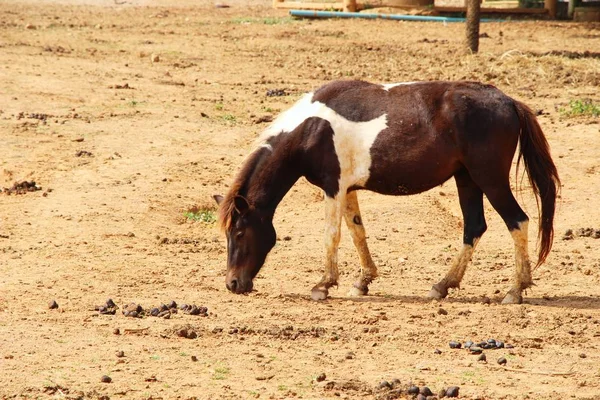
[{"x": 250, "y": 237}]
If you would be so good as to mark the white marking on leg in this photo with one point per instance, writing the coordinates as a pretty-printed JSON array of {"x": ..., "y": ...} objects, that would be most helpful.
[
  {"x": 389, "y": 86},
  {"x": 368, "y": 270},
  {"x": 456, "y": 272},
  {"x": 333, "y": 220},
  {"x": 523, "y": 268},
  {"x": 459, "y": 266}
]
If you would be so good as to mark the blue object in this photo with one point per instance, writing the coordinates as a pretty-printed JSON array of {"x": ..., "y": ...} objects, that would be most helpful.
[{"x": 396, "y": 17}]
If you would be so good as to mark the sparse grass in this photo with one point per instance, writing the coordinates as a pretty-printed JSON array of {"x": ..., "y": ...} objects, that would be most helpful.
[
  {"x": 155, "y": 357},
  {"x": 581, "y": 108},
  {"x": 283, "y": 388},
  {"x": 219, "y": 106},
  {"x": 221, "y": 373},
  {"x": 201, "y": 214},
  {"x": 229, "y": 118}
]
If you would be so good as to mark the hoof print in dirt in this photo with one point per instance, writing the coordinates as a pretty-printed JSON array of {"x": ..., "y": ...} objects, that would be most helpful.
[{"x": 53, "y": 305}]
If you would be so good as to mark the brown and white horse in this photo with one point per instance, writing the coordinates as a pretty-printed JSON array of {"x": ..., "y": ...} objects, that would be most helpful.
[{"x": 397, "y": 139}]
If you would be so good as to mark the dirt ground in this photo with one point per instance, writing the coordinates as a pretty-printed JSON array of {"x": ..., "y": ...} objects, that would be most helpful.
[{"x": 122, "y": 147}]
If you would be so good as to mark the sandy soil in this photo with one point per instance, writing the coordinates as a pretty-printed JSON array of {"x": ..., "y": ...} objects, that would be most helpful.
[{"x": 118, "y": 168}]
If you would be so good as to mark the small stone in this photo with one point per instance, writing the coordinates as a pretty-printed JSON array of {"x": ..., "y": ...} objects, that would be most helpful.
[
  {"x": 384, "y": 385},
  {"x": 116, "y": 331},
  {"x": 194, "y": 358},
  {"x": 582, "y": 355},
  {"x": 106, "y": 379},
  {"x": 452, "y": 391},
  {"x": 502, "y": 361},
  {"x": 454, "y": 344},
  {"x": 321, "y": 377},
  {"x": 349, "y": 355},
  {"x": 182, "y": 333},
  {"x": 192, "y": 335},
  {"x": 413, "y": 390},
  {"x": 154, "y": 58},
  {"x": 482, "y": 358},
  {"x": 52, "y": 305},
  {"x": 30, "y": 26},
  {"x": 425, "y": 391},
  {"x": 441, "y": 311},
  {"x": 437, "y": 351},
  {"x": 120, "y": 353}
]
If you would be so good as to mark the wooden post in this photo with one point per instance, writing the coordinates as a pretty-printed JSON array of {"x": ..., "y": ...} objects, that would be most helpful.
[
  {"x": 349, "y": 5},
  {"x": 571, "y": 9},
  {"x": 551, "y": 5},
  {"x": 473, "y": 18}
]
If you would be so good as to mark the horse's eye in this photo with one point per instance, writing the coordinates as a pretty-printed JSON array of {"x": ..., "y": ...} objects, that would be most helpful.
[{"x": 239, "y": 234}]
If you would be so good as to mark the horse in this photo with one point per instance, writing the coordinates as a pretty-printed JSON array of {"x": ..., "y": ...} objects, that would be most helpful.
[{"x": 393, "y": 139}]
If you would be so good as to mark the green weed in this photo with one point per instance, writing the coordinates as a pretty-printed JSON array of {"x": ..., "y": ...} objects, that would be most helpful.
[
  {"x": 579, "y": 108},
  {"x": 201, "y": 214}
]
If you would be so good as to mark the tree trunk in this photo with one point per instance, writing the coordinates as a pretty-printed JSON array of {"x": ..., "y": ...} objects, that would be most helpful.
[{"x": 473, "y": 16}]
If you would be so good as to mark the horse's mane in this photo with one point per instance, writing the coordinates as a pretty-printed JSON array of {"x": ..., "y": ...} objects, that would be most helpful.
[{"x": 238, "y": 188}]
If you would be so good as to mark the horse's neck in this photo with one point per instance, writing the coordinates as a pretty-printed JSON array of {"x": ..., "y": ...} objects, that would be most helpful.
[{"x": 273, "y": 175}]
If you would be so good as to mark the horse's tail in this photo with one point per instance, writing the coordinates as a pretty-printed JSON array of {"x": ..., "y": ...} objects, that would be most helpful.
[{"x": 545, "y": 183}]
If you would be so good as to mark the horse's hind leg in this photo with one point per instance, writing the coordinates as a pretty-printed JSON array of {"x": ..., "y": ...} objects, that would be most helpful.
[
  {"x": 471, "y": 204},
  {"x": 368, "y": 270},
  {"x": 334, "y": 208},
  {"x": 502, "y": 199}
]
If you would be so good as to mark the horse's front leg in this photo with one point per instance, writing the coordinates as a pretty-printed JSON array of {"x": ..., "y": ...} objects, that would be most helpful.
[
  {"x": 368, "y": 270},
  {"x": 333, "y": 219}
]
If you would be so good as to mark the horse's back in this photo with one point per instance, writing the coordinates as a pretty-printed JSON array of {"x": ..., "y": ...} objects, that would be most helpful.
[{"x": 432, "y": 129}]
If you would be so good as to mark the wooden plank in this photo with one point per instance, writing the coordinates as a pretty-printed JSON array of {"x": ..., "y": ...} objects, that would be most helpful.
[
  {"x": 350, "y": 5},
  {"x": 487, "y": 10},
  {"x": 299, "y": 5}
]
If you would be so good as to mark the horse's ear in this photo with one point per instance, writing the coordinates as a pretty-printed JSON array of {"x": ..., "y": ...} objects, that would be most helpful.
[
  {"x": 218, "y": 198},
  {"x": 241, "y": 204}
]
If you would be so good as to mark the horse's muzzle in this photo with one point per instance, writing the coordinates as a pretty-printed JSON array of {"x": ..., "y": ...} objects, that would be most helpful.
[{"x": 238, "y": 286}]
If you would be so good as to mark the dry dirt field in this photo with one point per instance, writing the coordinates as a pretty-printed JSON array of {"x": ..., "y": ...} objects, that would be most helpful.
[{"x": 122, "y": 147}]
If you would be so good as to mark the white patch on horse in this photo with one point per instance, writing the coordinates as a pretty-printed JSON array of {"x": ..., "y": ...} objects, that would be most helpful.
[
  {"x": 352, "y": 140},
  {"x": 389, "y": 86},
  {"x": 290, "y": 119}
]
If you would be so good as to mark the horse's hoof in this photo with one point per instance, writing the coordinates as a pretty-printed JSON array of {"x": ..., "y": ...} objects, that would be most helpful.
[
  {"x": 319, "y": 294},
  {"x": 437, "y": 293},
  {"x": 356, "y": 292},
  {"x": 512, "y": 297}
]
